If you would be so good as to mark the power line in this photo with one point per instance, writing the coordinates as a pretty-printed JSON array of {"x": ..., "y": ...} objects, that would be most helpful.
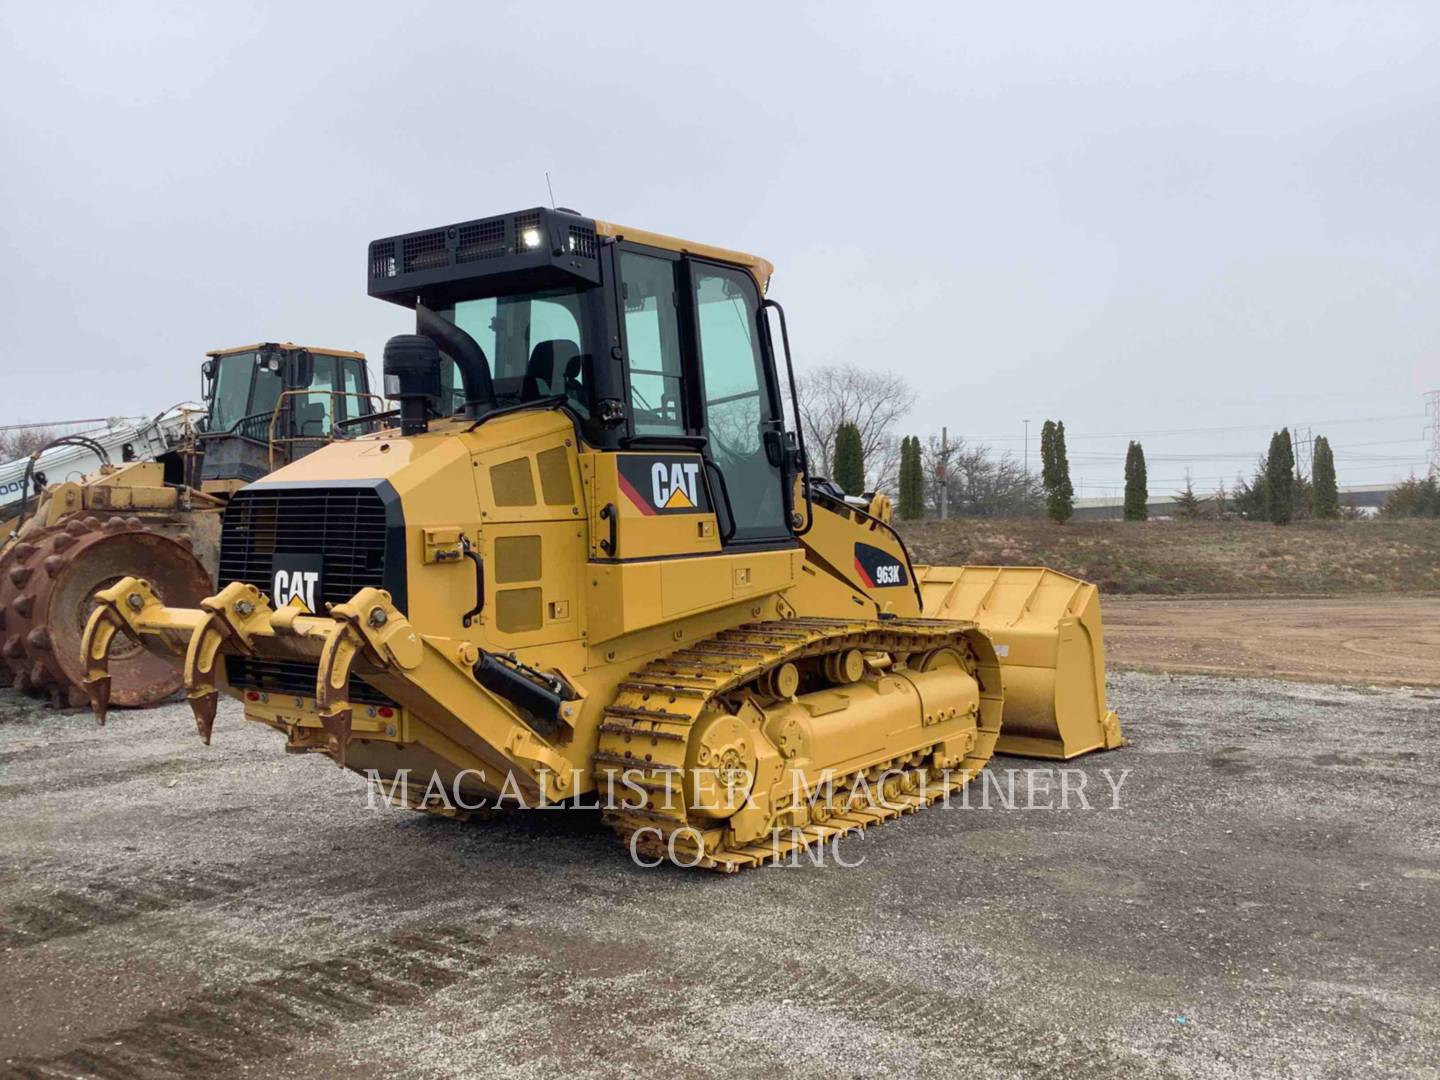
[
  {"x": 1202, "y": 430},
  {"x": 56, "y": 424}
]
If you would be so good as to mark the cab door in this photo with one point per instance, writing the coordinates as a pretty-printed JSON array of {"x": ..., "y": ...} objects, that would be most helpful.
[{"x": 742, "y": 416}]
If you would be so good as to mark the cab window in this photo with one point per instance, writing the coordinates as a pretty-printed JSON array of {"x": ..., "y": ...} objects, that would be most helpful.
[
  {"x": 535, "y": 345},
  {"x": 266, "y": 394},
  {"x": 652, "y": 344},
  {"x": 354, "y": 402},
  {"x": 739, "y": 406},
  {"x": 313, "y": 408},
  {"x": 230, "y": 395}
]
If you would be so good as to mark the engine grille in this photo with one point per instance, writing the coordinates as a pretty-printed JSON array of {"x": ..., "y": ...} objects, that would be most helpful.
[
  {"x": 292, "y": 677},
  {"x": 481, "y": 240},
  {"x": 347, "y": 527}
]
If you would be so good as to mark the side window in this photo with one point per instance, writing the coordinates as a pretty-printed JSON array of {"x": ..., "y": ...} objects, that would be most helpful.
[
  {"x": 355, "y": 404},
  {"x": 532, "y": 342},
  {"x": 266, "y": 391},
  {"x": 737, "y": 399},
  {"x": 552, "y": 320},
  {"x": 478, "y": 319},
  {"x": 652, "y": 344},
  {"x": 452, "y": 388},
  {"x": 230, "y": 394},
  {"x": 555, "y": 364},
  {"x": 312, "y": 409}
]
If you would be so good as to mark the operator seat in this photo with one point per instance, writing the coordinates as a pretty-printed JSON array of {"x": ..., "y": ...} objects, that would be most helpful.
[{"x": 553, "y": 365}]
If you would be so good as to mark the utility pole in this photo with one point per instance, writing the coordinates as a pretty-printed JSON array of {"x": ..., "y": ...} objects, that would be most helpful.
[
  {"x": 943, "y": 472},
  {"x": 1432, "y": 410},
  {"x": 1027, "y": 449}
]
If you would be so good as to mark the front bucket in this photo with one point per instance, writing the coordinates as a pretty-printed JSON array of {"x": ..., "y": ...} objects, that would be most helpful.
[{"x": 1046, "y": 630}]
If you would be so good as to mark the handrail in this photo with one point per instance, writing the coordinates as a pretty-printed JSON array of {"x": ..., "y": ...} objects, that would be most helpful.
[
  {"x": 329, "y": 435},
  {"x": 799, "y": 423}
]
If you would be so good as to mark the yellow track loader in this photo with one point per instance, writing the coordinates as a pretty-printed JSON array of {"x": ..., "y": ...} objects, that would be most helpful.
[
  {"x": 155, "y": 511},
  {"x": 587, "y": 563}
]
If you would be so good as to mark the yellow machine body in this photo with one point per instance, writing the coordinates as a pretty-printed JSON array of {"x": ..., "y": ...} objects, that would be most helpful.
[{"x": 560, "y": 621}]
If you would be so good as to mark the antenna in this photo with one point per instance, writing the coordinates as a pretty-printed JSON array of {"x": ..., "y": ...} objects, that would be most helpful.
[{"x": 550, "y": 189}]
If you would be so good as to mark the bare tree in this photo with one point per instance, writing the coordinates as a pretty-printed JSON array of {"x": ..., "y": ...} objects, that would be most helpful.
[
  {"x": 18, "y": 442},
  {"x": 980, "y": 484},
  {"x": 874, "y": 401}
]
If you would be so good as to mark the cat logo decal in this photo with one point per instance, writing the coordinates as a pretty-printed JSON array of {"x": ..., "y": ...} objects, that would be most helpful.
[
  {"x": 668, "y": 484},
  {"x": 295, "y": 581}
]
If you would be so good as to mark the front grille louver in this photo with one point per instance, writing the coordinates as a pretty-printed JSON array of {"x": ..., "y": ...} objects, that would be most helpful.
[{"x": 347, "y": 527}]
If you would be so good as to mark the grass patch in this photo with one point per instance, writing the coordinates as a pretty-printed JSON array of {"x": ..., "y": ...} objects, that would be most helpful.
[{"x": 1176, "y": 558}]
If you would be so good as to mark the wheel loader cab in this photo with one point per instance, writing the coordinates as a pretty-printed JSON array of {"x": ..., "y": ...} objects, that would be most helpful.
[{"x": 271, "y": 403}]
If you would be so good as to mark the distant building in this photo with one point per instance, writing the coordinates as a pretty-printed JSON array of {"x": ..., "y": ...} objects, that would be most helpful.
[{"x": 1367, "y": 497}]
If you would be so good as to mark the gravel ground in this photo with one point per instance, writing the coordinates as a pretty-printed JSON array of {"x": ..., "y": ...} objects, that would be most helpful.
[{"x": 1265, "y": 901}]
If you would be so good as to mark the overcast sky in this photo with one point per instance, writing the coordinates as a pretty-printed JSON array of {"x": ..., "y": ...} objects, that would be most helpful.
[{"x": 1141, "y": 218}]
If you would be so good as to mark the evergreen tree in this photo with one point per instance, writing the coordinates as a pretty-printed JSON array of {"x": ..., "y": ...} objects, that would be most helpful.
[
  {"x": 849, "y": 460},
  {"x": 1323, "y": 489},
  {"x": 1048, "y": 477},
  {"x": 1137, "y": 492},
  {"x": 1251, "y": 501},
  {"x": 1187, "y": 503},
  {"x": 1415, "y": 498},
  {"x": 1055, "y": 472},
  {"x": 912, "y": 479},
  {"x": 1302, "y": 499},
  {"x": 918, "y": 476},
  {"x": 1280, "y": 478},
  {"x": 902, "y": 505}
]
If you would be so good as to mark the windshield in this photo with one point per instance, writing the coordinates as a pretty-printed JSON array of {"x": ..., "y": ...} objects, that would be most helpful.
[
  {"x": 538, "y": 345},
  {"x": 231, "y": 395}
]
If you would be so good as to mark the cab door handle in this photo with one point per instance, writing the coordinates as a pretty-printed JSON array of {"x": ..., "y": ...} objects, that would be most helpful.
[
  {"x": 610, "y": 514},
  {"x": 474, "y": 556}
]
